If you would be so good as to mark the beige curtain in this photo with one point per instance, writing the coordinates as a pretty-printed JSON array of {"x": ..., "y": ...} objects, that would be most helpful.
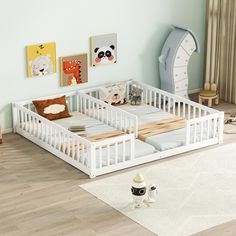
[{"x": 221, "y": 47}]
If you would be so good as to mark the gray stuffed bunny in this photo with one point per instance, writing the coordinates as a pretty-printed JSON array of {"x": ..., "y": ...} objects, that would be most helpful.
[{"x": 135, "y": 95}]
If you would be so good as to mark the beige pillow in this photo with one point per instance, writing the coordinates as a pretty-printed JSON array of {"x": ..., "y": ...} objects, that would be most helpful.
[{"x": 114, "y": 95}]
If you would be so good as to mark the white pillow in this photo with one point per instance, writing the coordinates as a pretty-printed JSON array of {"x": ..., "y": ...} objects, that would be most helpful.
[{"x": 114, "y": 95}]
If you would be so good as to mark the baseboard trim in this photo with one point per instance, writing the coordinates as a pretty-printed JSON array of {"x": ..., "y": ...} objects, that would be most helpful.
[
  {"x": 7, "y": 131},
  {"x": 194, "y": 91}
]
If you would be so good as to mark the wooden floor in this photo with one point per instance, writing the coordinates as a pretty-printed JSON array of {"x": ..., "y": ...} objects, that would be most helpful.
[
  {"x": 40, "y": 195},
  {"x": 227, "y": 229}
]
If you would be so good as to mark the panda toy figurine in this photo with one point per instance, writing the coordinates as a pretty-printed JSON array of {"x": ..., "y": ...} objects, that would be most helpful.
[{"x": 104, "y": 55}]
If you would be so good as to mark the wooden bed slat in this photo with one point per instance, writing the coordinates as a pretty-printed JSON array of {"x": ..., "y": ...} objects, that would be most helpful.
[
  {"x": 70, "y": 145},
  {"x": 101, "y": 137},
  {"x": 159, "y": 127}
]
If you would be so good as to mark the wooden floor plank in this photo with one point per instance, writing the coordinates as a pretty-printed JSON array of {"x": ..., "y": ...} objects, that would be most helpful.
[
  {"x": 227, "y": 229},
  {"x": 40, "y": 195}
]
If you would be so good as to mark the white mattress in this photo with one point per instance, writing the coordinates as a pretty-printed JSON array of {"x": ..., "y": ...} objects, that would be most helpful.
[
  {"x": 146, "y": 113},
  {"x": 168, "y": 140},
  {"x": 93, "y": 126},
  {"x": 174, "y": 139}
]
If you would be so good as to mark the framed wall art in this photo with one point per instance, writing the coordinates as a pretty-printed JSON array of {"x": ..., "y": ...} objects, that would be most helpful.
[
  {"x": 41, "y": 59},
  {"x": 103, "y": 49},
  {"x": 74, "y": 69}
]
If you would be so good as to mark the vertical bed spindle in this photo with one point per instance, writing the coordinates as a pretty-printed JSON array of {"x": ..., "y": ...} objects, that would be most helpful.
[
  {"x": 100, "y": 157},
  {"x": 169, "y": 104},
  {"x": 215, "y": 127},
  {"x": 179, "y": 109},
  {"x": 108, "y": 155},
  {"x": 123, "y": 151},
  {"x": 72, "y": 148},
  {"x": 77, "y": 151},
  {"x": 164, "y": 103},
  {"x": 208, "y": 128},
  {"x": 155, "y": 100},
  {"x": 174, "y": 107},
  {"x": 184, "y": 110},
  {"x": 71, "y": 103},
  {"x": 194, "y": 132}
]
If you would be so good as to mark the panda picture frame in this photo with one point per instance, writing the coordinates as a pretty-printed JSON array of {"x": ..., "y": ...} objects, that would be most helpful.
[
  {"x": 74, "y": 69},
  {"x": 103, "y": 49}
]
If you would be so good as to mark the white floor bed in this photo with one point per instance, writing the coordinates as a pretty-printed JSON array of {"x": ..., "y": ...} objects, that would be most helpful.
[{"x": 203, "y": 127}]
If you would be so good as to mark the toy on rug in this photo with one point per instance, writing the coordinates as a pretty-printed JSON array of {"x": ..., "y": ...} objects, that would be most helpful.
[
  {"x": 138, "y": 190},
  {"x": 152, "y": 193},
  {"x": 231, "y": 119},
  {"x": 136, "y": 95},
  {"x": 78, "y": 129}
]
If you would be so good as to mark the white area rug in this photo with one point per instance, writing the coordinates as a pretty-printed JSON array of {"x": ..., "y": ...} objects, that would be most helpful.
[{"x": 196, "y": 192}]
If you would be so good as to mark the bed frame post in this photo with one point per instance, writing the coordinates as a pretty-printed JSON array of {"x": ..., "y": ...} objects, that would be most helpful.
[
  {"x": 92, "y": 162},
  {"x": 14, "y": 117},
  {"x": 221, "y": 127},
  {"x": 188, "y": 132},
  {"x": 132, "y": 148}
]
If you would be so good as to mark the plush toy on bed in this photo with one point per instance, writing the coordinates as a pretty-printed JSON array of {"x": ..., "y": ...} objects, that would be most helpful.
[
  {"x": 136, "y": 95},
  {"x": 114, "y": 95}
]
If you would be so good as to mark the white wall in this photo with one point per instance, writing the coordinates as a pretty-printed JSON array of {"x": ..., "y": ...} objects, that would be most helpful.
[{"x": 142, "y": 27}]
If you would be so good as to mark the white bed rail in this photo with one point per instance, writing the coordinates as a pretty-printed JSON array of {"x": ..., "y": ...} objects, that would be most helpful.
[
  {"x": 80, "y": 102},
  {"x": 203, "y": 123},
  {"x": 163, "y": 100},
  {"x": 93, "y": 158},
  {"x": 171, "y": 103},
  {"x": 70, "y": 99},
  {"x": 205, "y": 129},
  {"x": 119, "y": 152},
  {"x": 110, "y": 115},
  {"x": 53, "y": 137}
]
